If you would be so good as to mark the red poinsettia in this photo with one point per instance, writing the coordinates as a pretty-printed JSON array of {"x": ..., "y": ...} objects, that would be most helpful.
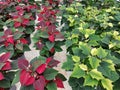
[
  {"x": 18, "y": 16},
  {"x": 5, "y": 63},
  {"x": 7, "y": 38},
  {"x": 2, "y": 88},
  {"x": 59, "y": 83},
  {"x": 28, "y": 76},
  {"x": 23, "y": 41}
]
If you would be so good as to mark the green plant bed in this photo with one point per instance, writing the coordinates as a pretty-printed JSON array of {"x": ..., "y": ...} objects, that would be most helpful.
[{"x": 93, "y": 45}]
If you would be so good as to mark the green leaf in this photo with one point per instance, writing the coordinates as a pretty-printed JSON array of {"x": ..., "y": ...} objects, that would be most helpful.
[
  {"x": 61, "y": 76},
  {"x": 76, "y": 58},
  {"x": 49, "y": 45},
  {"x": 85, "y": 48},
  {"x": 36, "y": 62},
  {"x": 44, "y": 35},
  {"x": 69, "y": 64},
  {"x": 51, "y": 86},
  {"x": 1, "y": 33},
  {"x": 76, "y": 51},
  {"x": 29, "y": 29},
  {"x": 58, "y": 49},
  {"x": 14, "y": 64},
  {"x": 19, "y": 46},
  {"x": 94, "y": 62},
  {"x": 5, "y": 83},
  {"x": 50, "y": 73},
  {"x": 107, "y": 71},
  {"x": 107, "y": 84},
  {"x": 95, "y": 74},
  {"x": 77, "y": 72},
  {"x": 26, "y": 48},
  {"x": 90, "y": 81},
  {"x": 68, "y": 43},
  {"x": 16, "y": 78},
  {"x": 17, "y": 35},
  {"x": 101, "y": 53},
  {"x": 113, "y": 58},
  {"x": 30, "y": 87}
]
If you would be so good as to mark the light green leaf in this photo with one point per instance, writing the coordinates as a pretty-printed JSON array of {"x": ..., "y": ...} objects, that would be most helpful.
[
  {"x": 101, "y": 53},
  {"x": 94, "y": 51},
  {"x": 76, "y": 58},
  {"x": 94, "y": 62},
  {"x": 77, "y": 72},
  {"x": 96, "y": 74},
  {"x": 83, "y": 67},
  {"x": 85, "y": 48},
  {"x": 90, "y": 81},
  {"x": 107, "y": 84}
]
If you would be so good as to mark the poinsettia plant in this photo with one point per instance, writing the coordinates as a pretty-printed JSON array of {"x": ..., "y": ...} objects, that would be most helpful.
[
  {"x": 47, "y": 37},
  {"x": 13, "y": 42},
  {"x": 39, "y": 74},
  {"x": 6, "y": 71}
]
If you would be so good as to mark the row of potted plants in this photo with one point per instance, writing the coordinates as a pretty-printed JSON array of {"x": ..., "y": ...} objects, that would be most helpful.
[
  {"x": 18, "y": 18},
  {"x": 92, "y": 39}
]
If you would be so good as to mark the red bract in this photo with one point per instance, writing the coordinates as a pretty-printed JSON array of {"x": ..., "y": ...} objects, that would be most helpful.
[
  {"x": 25, "y": 21},
  {"x": 1, "y": 76},
  {"x": 52, "y": 50},
  {"x": 23, "y": 41},
  {"x": 2, "y": 88},
  {"x": 59, "y": 83},
  {"x": 7, "y": 66},
  {"x": 52, "y": 38},
  {"x": 10, "y": 40},
  {"x": 53, "y": 63},
  {"x": 7, "y": 38},
  {"x": 4, "y": 59},
  {"x": 23, "y": 63},
  {"x": 17, "y": 24},
  {"x": 26, "y": 78},
  {"x": 41, "y": 69},
  {"x": 39, "y": 45},
  {"x": 39, "y": 84},
  {"x": 48, "y": 60},
  {"x": 18, "y": 8}
]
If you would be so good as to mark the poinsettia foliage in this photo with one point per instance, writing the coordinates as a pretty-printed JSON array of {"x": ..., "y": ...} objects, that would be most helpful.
[
  {"x": 6, "y": 73},
  {"x": 39, "y": 74},
  {"x": 13, "y": 42},
  {"x": 47, "y": 37},
  {"x": 93, "y": 43}
]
